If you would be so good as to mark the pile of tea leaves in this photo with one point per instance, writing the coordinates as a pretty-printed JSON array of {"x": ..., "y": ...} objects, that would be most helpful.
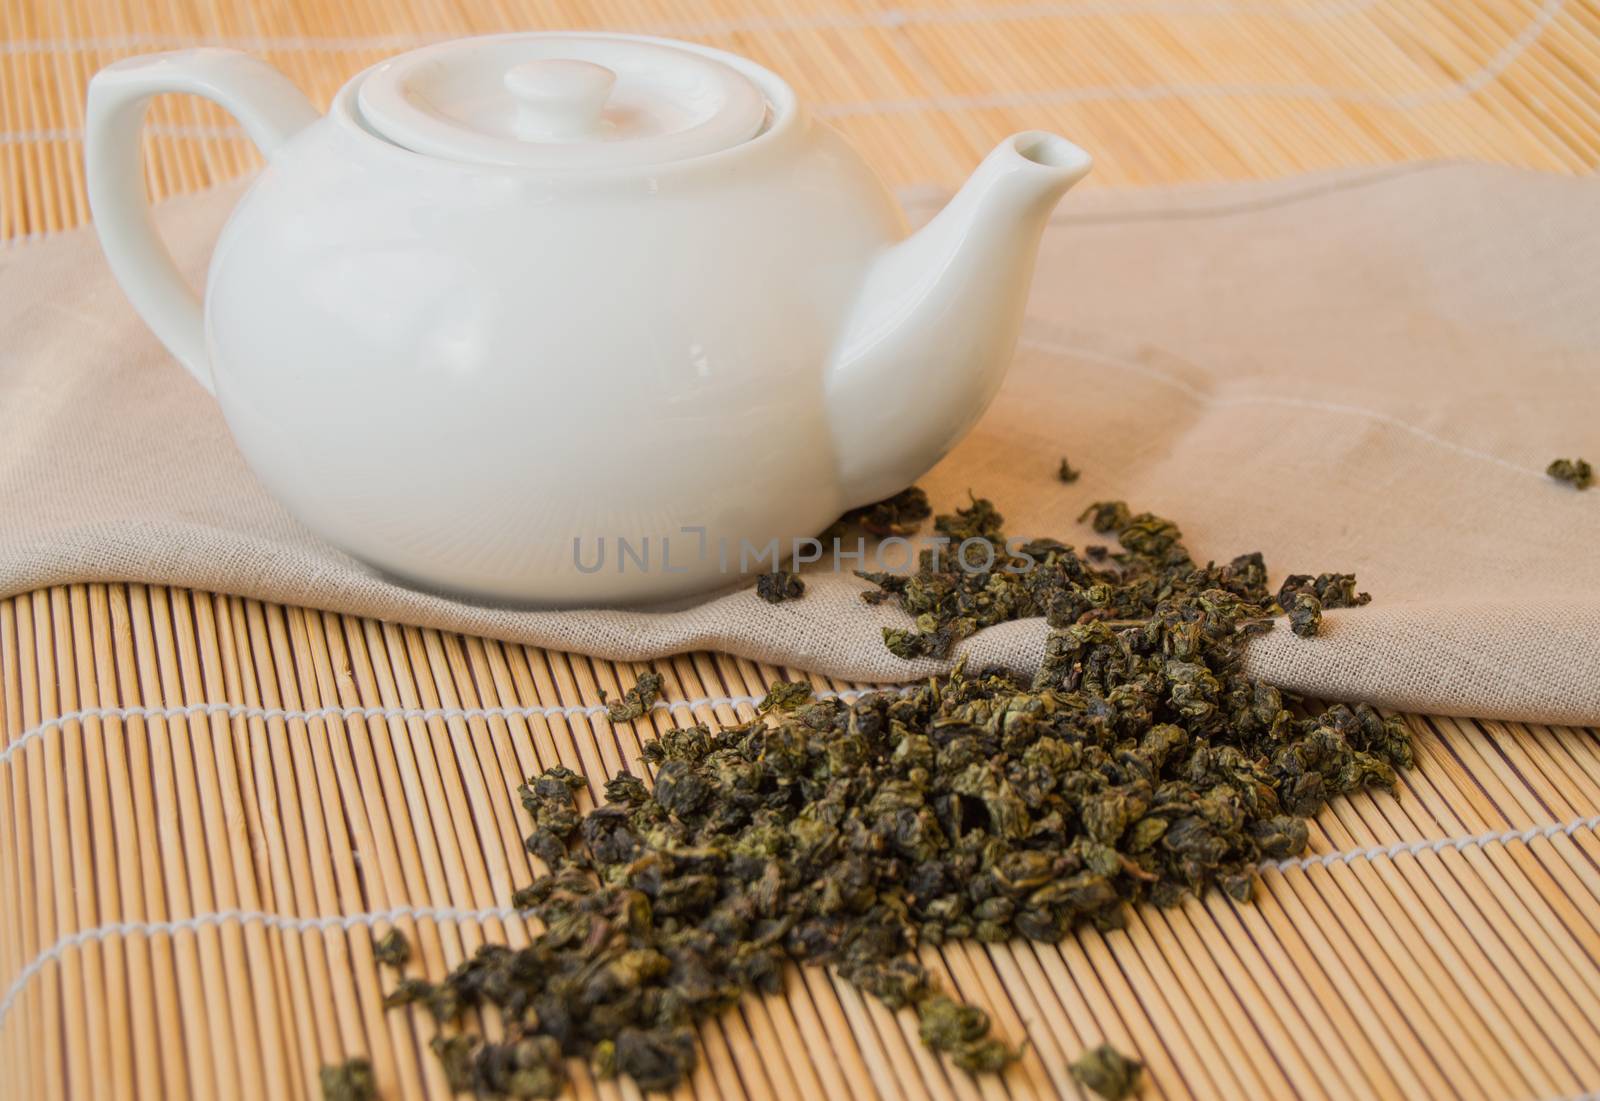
[{"x": 1140, "y": 764}]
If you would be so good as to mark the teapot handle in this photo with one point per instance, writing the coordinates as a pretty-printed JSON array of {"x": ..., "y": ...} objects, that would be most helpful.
[{"x": 272, "y": 110}]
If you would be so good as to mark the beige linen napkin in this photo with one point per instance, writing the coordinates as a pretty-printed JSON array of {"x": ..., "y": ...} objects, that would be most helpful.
[{"x": 1361, "y": 371}]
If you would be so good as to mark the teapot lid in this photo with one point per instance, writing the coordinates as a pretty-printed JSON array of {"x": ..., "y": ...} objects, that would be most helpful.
[{"x": 561, "y": 101}]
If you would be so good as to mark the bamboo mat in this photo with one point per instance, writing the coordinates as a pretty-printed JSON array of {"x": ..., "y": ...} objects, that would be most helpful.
[{"x": 207, "y": 805}]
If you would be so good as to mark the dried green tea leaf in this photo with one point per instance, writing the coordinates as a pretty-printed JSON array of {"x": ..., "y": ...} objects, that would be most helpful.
[
  {"x": 918, "y": 644},
  {"x": 962, "y": 1032},
  {"x": 1332, "y": 590},
  {"x": 637, "y": 701},
  {"x": 441, "y": 1002},
  {"x": 406, "y": 992},
  {"x": 349, "y": 1081},
  {"x": 1065, "y": 473},
  {"x": 900, "y": 515},
  {"x": 778, "y": 586},
  {"x": 393, "y": 949},
  {"x": 1108, "y": 1072},
  {"x": 456, "y": 1060},
  {"x": 657, "y": 1059},
  {"x": 529, "y": 1067},
  {"x": 785, "y": 695},
  {"x": 1305, "y": 614},
  {"x": 980, "y": 520},
  {"x": 603, "y": 1059},
  {"x": 1575, "y": 472}
]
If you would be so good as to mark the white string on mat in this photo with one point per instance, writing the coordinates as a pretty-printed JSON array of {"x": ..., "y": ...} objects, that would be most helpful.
[
  {"x": 390, "y": 916},
  {"x": 1417, "y": 848},
  {"x": 290, "y": 714},
  {"x": 1460, "y": 89},
  {"x": 1204, "y": 397},
  {"x": 889, "y": 17},
  {"x": 247, "y": 917}
]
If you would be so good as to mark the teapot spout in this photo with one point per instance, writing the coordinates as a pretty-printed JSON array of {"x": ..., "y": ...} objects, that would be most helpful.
[{"x": 936, "y": 321}]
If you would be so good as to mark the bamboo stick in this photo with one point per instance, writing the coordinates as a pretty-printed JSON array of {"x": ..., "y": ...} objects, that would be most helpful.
[
  {"x": 249, "y": 743},
  {"x": 84, "y": 781},
  {"x": 18, "y": 841},
  {"x": 183, "y": 858},
  {"x": 263, "y": 1056},
  {"x": 287, "y": 858}
]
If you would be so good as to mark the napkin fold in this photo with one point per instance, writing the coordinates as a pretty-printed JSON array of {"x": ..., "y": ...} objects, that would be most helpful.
[{"x": 1360, "y": 371}]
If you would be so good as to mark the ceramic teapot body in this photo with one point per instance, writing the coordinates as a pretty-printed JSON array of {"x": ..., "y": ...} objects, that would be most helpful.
[{"x": 560, "y": 385}]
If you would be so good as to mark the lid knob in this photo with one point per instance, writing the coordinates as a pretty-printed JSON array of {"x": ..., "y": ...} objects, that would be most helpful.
[
  {"x": 559, "y": 98},
  {"x": 565, "y": 102}
]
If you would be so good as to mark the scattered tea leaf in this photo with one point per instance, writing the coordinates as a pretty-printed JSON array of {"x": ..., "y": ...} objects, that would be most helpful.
[
  {"x": 962, "y": 1031},
  {"x": 1575, "y": 472},
  {"x": 1066, "y": 474},
  {"x": 393, "y": 950},
  {"x": 785, "y": 695},
  {"x": 900, "y": 515},
  {"x": 778, "y": 586},
  {"x": 348, "y": 1081},
  {"x": 1332, "y": 590},
  {"x": 1305, "y": 614},
  {"x": 637, "y": 701},
  {"x": 1108, "y": 1072},
  {"x": 455, "y": 1055}
]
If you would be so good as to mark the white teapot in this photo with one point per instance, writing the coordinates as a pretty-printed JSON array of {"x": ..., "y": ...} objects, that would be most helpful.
[{"x": 573, "y": 318}]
